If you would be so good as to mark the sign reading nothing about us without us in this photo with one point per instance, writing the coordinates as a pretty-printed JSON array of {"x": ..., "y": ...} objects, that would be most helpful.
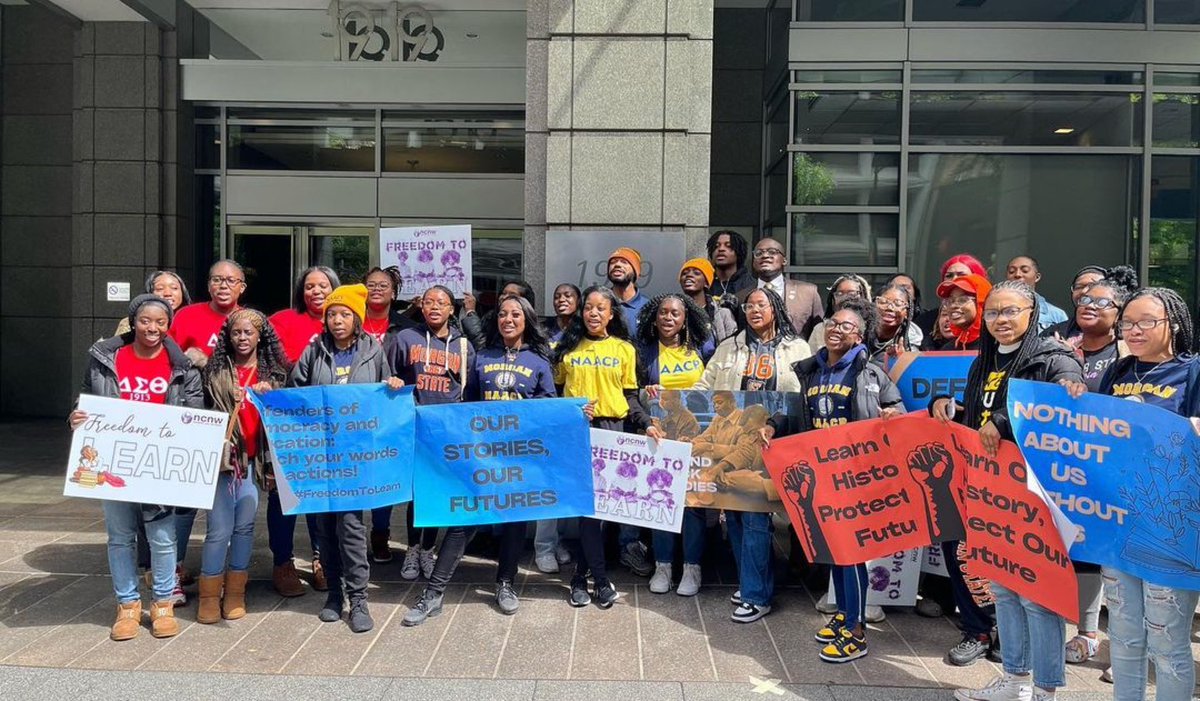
[{"x": 502, "y": 461}]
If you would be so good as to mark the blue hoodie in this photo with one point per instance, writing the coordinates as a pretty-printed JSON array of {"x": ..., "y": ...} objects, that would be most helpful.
[
  {"x": 829, "y": 398},
  {"x": 528, "y": 376}
]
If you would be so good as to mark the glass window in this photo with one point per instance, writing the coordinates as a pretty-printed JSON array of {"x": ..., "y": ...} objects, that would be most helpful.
[
  {"x": 345, "y": 249},
  {"x": 861, "y": 117},
  {"x": 496, "y": 261},
  {"x": 842, "y": 76},
  {"x": 317, "y": 148},
  {"x": 844, "y": 239},
  {"x": 1065, "y": 210},
  {"x": 208, "y": 146},
  {"x": 1175, "y": 223},
  {"x": 849, "y": 10},
  {"x": 266, "y": 253},
  {"x": 1180, "y": 79},
  {"x": 457, "y": 148},
  {"x": 208, "y": 220},
  {"x": 1026, "y": 118},
  {"x": 1177, "y": 120},
  {"x": 777, "y": 197},
  {"x": 1176, "y": 12},
  {"x": 1029, "y": 10},
  {"x": 1026, "y": 77},
  {"x": 845, "y": 179}
]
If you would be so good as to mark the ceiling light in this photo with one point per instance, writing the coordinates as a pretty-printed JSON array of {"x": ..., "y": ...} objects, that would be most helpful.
[{"x": 1065, "y": 130}]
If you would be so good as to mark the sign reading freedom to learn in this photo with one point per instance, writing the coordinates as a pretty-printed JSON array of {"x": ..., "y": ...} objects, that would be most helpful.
[
  {"x": 339, "y": 447},
  {"x": 429, "y": 255},
  {"x": 502, "y": 461},
  {"x": 1127, "y": 473},
  {"x": 638, "y": 481},
  {"x": 145, "y": 453}
]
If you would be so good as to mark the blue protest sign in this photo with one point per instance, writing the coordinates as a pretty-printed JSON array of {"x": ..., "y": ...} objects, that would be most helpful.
[
  {"x": 339, "y": 447},
  {"x": 496, "y": 462},
  {"x": 1127, "y": 473},
  {"x": 921, "y": 376}
]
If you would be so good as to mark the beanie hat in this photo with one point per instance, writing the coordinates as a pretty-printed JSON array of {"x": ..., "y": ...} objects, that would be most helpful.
[
  {"x": 353, "y": 297},
  {"x": 703, "y": 266},
  {"x": 142, "y": 300},
  {"x": 629, "y": 254}
]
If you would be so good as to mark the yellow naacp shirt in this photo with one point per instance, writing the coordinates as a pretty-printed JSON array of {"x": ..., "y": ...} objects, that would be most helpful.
[
  {"x": 600, "y": 370},
  {"x": 679, "y": 367}
]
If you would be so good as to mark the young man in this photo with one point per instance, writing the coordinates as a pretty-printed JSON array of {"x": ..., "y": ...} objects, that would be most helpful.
[
  {"x": 1027, "y": 270},
  {"x": 727, "y": 253},
  {"x": 802, "y": 299},
  {"x": 624, "y": 266}
]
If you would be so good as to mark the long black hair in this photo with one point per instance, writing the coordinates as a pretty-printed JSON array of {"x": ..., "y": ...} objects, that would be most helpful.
[
  {"x": 273, "y": 364},
  {"x": 736, "y": 241},
  {"x": 905, "y": 323},
  {"x": 298, "y": 291},
  {"x": 576, "y": 332},
  {"x": 1183, "y": 335},
  {"x": 534, "y": 336},
  {"x": 526, "y": 292},
  {"x": 914, "y": 306},
  {"x": 154, "y": 276},
  {"x": 989, "y": 348},
  {"x": 695, "y": 328},
  {"x": 864, "y": 289},
  {"x": 783, "y": 322}
]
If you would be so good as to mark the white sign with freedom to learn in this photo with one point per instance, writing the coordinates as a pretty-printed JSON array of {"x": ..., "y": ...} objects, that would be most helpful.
[
  {"x": 145, "y": 453},
  {"x": 638, "y": 481},
  {"x": 428, "y": 256}
]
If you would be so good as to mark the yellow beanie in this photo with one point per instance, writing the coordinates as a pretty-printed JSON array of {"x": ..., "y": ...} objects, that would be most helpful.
[
  {"x": 703, "y": 266},
  {"x": 354, "y": 297}
]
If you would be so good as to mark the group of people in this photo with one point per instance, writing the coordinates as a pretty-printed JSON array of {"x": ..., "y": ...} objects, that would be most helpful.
[{"x": 736, "y": 323}]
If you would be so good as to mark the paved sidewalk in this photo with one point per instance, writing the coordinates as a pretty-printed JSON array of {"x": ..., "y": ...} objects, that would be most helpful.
[{"x": 56, "y": 605}]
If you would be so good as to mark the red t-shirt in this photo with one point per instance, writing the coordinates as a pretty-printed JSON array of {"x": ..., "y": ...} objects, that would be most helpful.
[
  {"x": 143, "y": 379},
  {"x": 248, "y": 415},
  {"x": 295, "y": 330},
  {"x": 376, "y": 327},
  {"x": 198, "y": 326}
]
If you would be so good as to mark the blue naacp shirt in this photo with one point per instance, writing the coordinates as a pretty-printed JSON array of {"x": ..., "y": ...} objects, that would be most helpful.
[{"x": 526, "y": 375}]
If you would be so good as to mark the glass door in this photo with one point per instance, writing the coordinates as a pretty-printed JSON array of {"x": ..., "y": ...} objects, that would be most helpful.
[
  {"x": 266, "y": 254},
  {"x": 346, "y": 249}
]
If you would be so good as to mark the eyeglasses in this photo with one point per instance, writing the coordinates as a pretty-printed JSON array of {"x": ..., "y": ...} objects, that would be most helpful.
[
  {"x": 767, "y": 252},
  {"x": 843, "y": 326},
  {"x": 958, "y": 302},
  {"x": 748, "y": 307},
  {"x": 1007, "y": 312},
  {"x": 895, "y": 304},
  {"x": 840, "y": 294},
  {"x": 217, "y": 281},
  {"x": 1100, "y": 303},
  {"x": 378, "y": 286},
  {"x": 1143, "y": 324},
  {"x": 1081, "y": 286}
]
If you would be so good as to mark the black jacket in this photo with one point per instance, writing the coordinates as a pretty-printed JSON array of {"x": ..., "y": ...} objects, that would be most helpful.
[
  {"x": 100, "y": 379},
  {"x": 315, "y": 366},
  {"x": 873, "y": 391}
]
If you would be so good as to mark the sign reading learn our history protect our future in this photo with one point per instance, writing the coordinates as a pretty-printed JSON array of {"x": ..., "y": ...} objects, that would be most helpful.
[
  {"x": 429, "y": 255},
  {"x": 145, "y": 453}
]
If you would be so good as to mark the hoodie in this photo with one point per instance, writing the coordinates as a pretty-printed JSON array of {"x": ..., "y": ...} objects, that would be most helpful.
[
  {"x": 435, "y": 368},
  {"x": 828, "y": 398},
  {"x": 527, "y": 376}
]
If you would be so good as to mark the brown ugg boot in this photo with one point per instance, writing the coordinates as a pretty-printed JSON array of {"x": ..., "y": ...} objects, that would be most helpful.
[
  {"x": 286, "y": 580},
  {"x": 210, "y": 599},
  {"x": 319, "y": 581},
  {"x": 129, "y": 621},
  {"x": 162, "y": 619},
  {"x": 233, "y": 606}
]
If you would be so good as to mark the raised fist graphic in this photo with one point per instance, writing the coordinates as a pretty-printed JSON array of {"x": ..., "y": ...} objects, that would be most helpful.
[
  {"x": 799, "y": 485},
  {"x": 932, "y": 467}
]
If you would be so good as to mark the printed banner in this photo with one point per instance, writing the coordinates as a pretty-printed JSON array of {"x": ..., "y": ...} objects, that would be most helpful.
[
  {"x": 428, "y": 256},
  {"x": 145, "y": 453},
  {"x": 1128, "y": 474},
  {"x": 727, "y": 466},
  {"x": 921, "y": 376},
  {"x": 339, "y": 447},
  {"x": 496, "y": 462},
  {"x": 891, "y": 581},
  {"x": 638, "y": 481},
  {"x": 868, "y": 489}
]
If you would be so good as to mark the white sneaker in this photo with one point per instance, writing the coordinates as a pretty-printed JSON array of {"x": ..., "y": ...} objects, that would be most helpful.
[
  {"x": 1006, "y": 687},
  {"x": 875, "y": 614},
  {"x": 562, "y": 554},
  {"x": 427, "y": 561},
  {"x": 689, "y": 583},
  {"x": 546, "y": 564},
  {"x": 826, "y": 604},
  {"x": 411, "y": 568},
  {"x": 660, "y": 583},
  {"x": 1043, "y": 694}
]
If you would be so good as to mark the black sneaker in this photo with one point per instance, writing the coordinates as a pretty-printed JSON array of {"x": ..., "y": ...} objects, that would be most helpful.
[
  {"x": 360, "y": 617},
  {"x": 993, "y": 652},
  {"x": 970, "y": 649},
  {"x": 579, "y": 593},
  {"x": 331, "y": 612},
  {"x": 429, "y": 606},
  {"x": 605, "y": 595},
  {"x": 845, "y": 647},
  {"x": 506, "y": 598}
]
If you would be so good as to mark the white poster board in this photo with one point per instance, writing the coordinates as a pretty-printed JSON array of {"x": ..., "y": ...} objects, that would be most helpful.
[
  {"x": 145, "y": 453},
  {"x": 639, "y": 481},
  {"x": 428, "y": 256},
  {"x": 933, "y": 562},
  {"x": 892, "y": 581},
  {"x": 581, "y": 258}
]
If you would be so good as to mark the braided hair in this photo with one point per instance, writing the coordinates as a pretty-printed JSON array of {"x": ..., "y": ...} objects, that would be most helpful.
[
  {"x": 1183, "y": 335},
  {"x": 736, "y": 241},
  {"x": 914, "y": 302},
  {"x": 393, "y": 275},
  {"x": 783, "y": 323},
  {"x": 695, "y": 324},
  {"x": 273, "y": 365},
  {"x": 576, "y": 332},
  {"x": 989, "y": 349},
  {"x": 864, "y": 289},
  {"x": 910, "y": 310}
]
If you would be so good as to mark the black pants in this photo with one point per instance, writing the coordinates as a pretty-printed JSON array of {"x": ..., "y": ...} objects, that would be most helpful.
[
  {"x": 973, "y": 619},
  {"x": 343, "y": 539},
  {"x": 424, "y": 537},
  {"x": 589, "y": 557},
  {"x": 512, "y": 542},
  {"x": 449, "y": 555}
]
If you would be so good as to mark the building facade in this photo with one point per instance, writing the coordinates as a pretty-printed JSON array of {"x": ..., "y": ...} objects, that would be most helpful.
[{"x": 867, "y": 135}]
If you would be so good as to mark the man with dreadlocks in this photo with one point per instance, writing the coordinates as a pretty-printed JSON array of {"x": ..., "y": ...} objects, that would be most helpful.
[
  {"x": 1031, "y": 636},
  {"x": 727, "y": 253}
]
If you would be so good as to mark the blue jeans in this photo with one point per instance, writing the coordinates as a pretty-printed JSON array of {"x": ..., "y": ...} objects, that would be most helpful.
[
  {"x": 750, "y": 535},
  {"x": 280, "y": 529},
  {"x": 1031, "y": 638},
  {"x": 547, "y": 535},
  {"x": 850, "y": 588},
  {"x": 230, "y": 526},
  {"x": 1147, "y": 621},
  {"x": 121, "y": 521},
  {"x": 184, "y": 518},
  {"x": 693, "y": 539}
]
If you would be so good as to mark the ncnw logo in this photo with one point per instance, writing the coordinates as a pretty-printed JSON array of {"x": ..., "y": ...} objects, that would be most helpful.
[{"x": 202, "y": 419}]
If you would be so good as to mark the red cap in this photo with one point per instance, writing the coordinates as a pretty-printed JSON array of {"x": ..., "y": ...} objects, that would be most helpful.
[{"x": 975, "y": 285}]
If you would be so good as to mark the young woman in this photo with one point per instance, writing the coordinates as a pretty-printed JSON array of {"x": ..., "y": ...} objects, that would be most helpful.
[
  {"x": 848, "y": 286},
  {"x": 165, "y": 284},
  {"x": 962, "y": 298},
  {"x": 436, "y": 360},
  {"x": 1148, "y": 621},
  {"x": 1086, "y": 277},
  {"x": 840, "y": 384},
  {"x": 759, "y": 357},
  {"x": 672, "y": 333},
  {"x": 695, "y": 278},
  {"x": 566, "y": 308},
  {"x": 596, "y": 360},
  {"x": 297, "y": 327},
  {"x": 248, "y": 356},
  {"x": 895, "y": 331},
  {"x": 1031, "y": 636},
  {"x": 344, "y": 354},
  {"x": 143, "y": 365}
]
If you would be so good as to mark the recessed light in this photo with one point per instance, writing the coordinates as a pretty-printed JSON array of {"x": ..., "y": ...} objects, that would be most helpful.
[
  {"x": 1065, "y": 130},
  {"x": 472, "y": 35}
]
